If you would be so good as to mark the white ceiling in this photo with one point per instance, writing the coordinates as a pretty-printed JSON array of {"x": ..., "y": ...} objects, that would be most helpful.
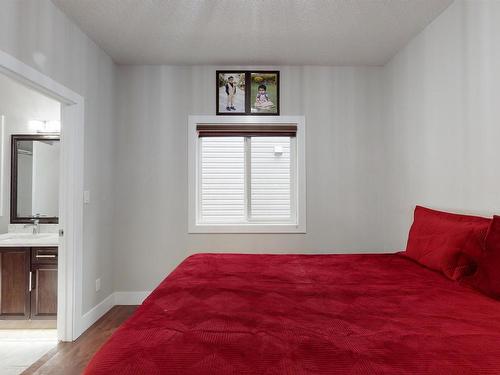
[{"x": 248, "y": 32}]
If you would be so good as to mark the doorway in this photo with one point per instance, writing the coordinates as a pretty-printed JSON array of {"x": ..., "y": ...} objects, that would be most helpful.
[
  {"x": 29, "y": 214},
  {"x": 70, "y": 323}
]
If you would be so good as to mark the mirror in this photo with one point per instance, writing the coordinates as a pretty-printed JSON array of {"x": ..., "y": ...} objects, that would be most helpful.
[{"x": 34, "y": 178}]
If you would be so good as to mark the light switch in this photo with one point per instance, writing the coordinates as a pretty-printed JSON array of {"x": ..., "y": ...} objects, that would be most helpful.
[
  {"x": 86, "y": 196},
  {"x": 278, "y": 150}
]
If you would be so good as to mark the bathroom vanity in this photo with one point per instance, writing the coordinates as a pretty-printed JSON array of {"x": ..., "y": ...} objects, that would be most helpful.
[
  {"x": 28, "y": 258},
  {"x": 28, "y": 276}
]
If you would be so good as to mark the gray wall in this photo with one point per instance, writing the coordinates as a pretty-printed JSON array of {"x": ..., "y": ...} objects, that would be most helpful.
[
  {"x": 38, "y": 34},
  {"x": 343, "y": 110},
  {"x": 442, "y": 132}
]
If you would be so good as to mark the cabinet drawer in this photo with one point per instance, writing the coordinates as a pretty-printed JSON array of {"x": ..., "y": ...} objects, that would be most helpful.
[{"x": 44, "y": 255}]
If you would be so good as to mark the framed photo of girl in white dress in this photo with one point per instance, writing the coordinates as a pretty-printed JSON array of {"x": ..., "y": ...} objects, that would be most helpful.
[
  {"x": 247, "y": 92},
  {"x": 264, "y": 93}
]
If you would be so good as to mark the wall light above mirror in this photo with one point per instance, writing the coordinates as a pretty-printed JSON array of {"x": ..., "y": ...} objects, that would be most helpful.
[{"x": 45, "y": 126}]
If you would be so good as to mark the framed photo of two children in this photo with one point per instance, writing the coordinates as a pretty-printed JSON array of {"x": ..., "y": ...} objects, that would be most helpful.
[{"x": 248, "y": 92}]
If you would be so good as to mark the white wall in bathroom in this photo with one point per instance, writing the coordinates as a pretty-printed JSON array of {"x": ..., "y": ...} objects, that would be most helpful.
[{"x": 19, "y": 104}]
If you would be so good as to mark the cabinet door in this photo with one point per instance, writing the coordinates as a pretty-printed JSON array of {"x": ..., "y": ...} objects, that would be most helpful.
[
  {"x": 14, "y": 283},
  {"x": 44, "y": 292}
]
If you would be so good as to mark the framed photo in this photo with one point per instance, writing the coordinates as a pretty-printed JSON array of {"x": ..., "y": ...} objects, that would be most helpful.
[
  {"x": 247, "y": 92},
  {"x": 231, "y": 92},
  {"x": 264, "y": 93}
]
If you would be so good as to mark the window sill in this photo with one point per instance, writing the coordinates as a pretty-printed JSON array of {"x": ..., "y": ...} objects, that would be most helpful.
[{"x": 247, "y": 228}]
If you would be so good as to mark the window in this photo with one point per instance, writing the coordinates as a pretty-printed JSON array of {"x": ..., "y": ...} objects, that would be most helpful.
[{"x": 246, "y": 178}]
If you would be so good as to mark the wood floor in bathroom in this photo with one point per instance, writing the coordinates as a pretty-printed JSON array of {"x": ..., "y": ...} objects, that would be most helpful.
[{"x": 71, "y": 357}]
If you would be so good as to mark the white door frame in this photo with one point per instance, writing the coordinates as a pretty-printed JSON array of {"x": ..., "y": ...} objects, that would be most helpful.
[{"x": 70, "y": 280}]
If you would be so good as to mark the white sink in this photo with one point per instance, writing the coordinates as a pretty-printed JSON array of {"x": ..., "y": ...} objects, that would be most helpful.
[{"x": 29, "y": 239}]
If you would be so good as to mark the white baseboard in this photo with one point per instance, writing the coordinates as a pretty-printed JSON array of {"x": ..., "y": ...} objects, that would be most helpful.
[
  {"x": 116, "y": 298},
  {"x": 130, "y": 298},
  {"x": 95, "y": 313}
]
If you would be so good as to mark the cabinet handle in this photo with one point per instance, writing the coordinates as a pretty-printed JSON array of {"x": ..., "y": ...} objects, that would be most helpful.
[
  {"x": 45, "y": 256},
  {"x": 31, "y": 277}
]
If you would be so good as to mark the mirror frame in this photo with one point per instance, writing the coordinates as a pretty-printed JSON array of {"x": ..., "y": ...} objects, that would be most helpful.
[{"x": 15, "y": 138}]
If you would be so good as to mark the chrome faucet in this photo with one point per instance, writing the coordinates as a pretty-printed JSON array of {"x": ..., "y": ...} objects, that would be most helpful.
[{"x": 35, "y": 224}]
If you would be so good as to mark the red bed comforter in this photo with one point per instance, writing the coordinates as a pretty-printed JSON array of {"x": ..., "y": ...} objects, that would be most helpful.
[{"x": 306, "y": 314}]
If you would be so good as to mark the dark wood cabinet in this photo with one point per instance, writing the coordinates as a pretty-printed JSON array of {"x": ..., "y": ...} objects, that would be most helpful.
[
  {"x": 44, "y": 283},
  {"x": 28, "y": 283},
  {"x": 14, "y": 280},
  {"x": 44, "y": 292}
]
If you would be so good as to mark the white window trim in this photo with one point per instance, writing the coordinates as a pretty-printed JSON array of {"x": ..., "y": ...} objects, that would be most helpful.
[{"x": 193, "y": 149}]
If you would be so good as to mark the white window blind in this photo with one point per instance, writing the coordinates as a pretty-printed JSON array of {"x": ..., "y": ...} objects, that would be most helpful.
[
  {"x": 271, "y": 180},
  {"x": 222, "y": 180},
  {"x": 246, "y": 180}
]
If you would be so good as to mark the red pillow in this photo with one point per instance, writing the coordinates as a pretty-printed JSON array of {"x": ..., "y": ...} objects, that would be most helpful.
[
  {"x": 446, "y": 242},
  {"x": 487, "y": 276}
]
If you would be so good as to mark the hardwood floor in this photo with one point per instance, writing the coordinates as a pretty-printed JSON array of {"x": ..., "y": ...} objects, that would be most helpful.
[{"x": 70, "y": 358}]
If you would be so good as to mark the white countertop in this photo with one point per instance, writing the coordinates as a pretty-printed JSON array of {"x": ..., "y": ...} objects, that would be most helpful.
[{"x": 29, "y": 240}]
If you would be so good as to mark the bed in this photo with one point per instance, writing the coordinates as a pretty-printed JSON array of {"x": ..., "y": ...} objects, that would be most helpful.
[{"x": 306, "y": 314}]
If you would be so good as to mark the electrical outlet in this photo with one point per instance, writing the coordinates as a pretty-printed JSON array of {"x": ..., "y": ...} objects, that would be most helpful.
[{"x": 97, "y": 285}]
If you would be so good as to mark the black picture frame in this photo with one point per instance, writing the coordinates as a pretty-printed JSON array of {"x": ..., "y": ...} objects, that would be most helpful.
[
  {"x": 218, "y": 88},
  {"x": 248, "y": 93},
  {"x": 251, "y": 95}
]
